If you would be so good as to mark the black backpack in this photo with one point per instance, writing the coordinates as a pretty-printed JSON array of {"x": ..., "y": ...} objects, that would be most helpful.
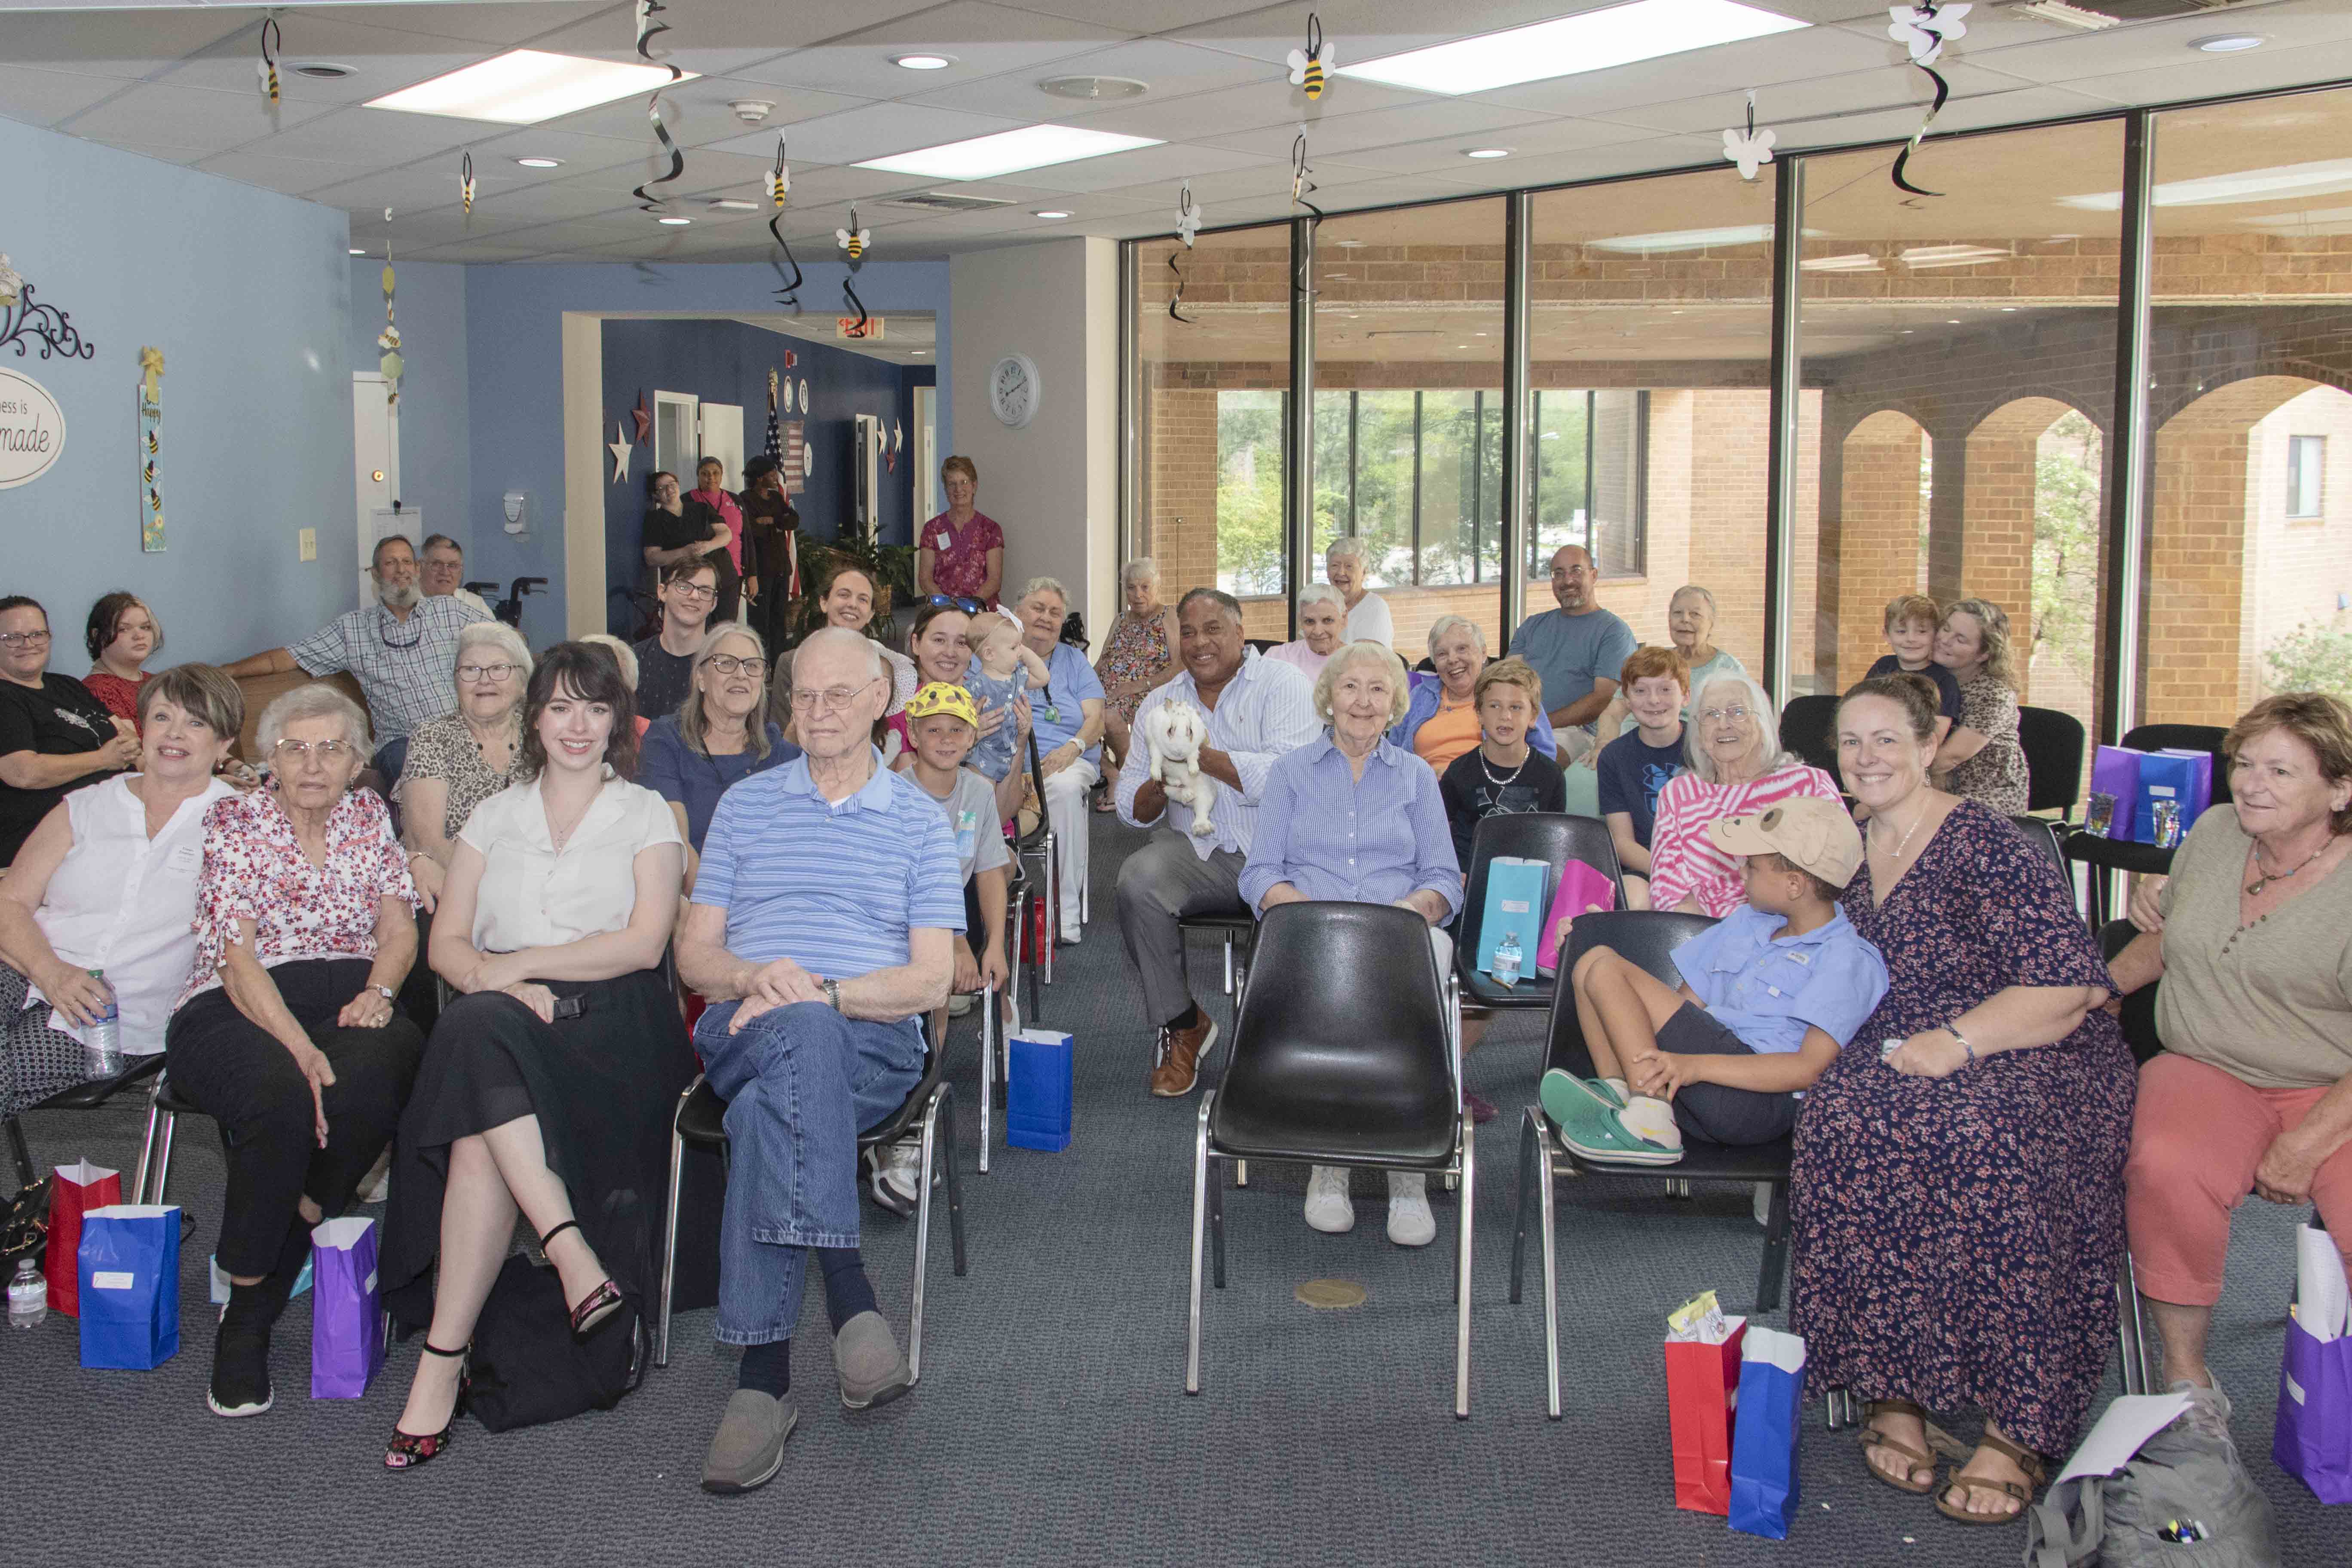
[{"x": 527, "y": 1369}]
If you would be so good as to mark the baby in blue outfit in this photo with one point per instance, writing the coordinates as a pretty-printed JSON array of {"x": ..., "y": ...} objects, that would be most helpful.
[{"x": 1003, "y": 667}]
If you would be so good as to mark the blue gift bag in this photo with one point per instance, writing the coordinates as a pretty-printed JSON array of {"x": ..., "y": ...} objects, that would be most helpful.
[
  {"x": 1517, "y": 898},
  {"x": 1038, "y": 1091},
  {"x": 2184, "y": 780},
  {"x": 1764, "y": 1439},
  {"x": 346, "y": 1320},
  {"x": 129, "y": 1278}
]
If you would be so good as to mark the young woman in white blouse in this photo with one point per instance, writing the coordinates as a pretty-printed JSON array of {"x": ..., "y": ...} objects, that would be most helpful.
[{"x": 548, "y": 1087}]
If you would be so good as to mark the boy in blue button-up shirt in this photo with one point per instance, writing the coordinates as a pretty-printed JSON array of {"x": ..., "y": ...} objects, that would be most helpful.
[{"x": 1771, "y": 993}]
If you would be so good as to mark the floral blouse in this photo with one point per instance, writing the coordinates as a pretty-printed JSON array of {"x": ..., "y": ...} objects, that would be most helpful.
[
  {"x": 446, "y": 750},
  {"x": 960, "y": 566},
  {"x": 255, "y": 870}
]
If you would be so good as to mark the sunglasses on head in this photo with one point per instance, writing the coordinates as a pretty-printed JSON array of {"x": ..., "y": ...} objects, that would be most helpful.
[{"x": 950, "y": 602}]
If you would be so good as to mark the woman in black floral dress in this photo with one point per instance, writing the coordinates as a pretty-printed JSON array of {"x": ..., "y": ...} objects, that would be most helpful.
[{"x": 1959, "y": 1203}]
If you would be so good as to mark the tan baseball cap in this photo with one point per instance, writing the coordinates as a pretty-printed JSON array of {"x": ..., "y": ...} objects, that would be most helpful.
[{"x": 1807, "y": 831}]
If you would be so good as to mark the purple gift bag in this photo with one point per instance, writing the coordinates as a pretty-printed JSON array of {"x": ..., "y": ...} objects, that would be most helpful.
[
  {"x": 2114, "y": 792},
  {"x": 2313, "y": 1440},
  {"x": 346, "y": 1319}
]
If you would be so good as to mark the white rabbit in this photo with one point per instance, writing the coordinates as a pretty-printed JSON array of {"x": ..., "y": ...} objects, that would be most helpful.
[{"x": 1175, "y": 731}]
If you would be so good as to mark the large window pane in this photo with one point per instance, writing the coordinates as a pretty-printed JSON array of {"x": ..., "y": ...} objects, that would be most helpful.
[
  {"x": 1959, "y": 350},
  {"x": 2250, "y": 538},
  {"x": 1214, "y": 395}
]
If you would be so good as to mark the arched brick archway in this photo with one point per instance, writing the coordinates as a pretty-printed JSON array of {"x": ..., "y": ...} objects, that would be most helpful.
[
  {"x": 1997, "y": 510},
  {"x": 1873, "y": 520}
]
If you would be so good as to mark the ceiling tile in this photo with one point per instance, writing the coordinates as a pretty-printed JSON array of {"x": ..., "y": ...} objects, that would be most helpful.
[
  {"x": 44, "y": 97},
  {"x": 375, "y": 136},
  {"x": 984, "y": 41},
  {"x": 489, "y": 23},
  {"x": 472, "y": 251},
  {"x": 1251, "y": 107},
  {"x": 1361, "y": 31},
  {"x": 1173, "y": 70},
  {"x": 580, "y": 153},
  {"x": 2062, "y": 56},
  {"x": 420, "y": 187},
  {"x": 714, "y": 40},
  {"x": 130, "y": 44},
  {"x": 1173, "y": 161},
  {"x": 698, "y": 115},
  {"x": 2204, "y": 76},
  {"x": 872, "y": 130},
  {"x": 2026, "y": 103},
  {"x": 1543, "y": 137},
  {"x": 295, "y": 176},
  {"x": 189, "y": 117},
  {"x": 1815, "y": 101},
  {"x": 382, "y": 61},
  {"x": 1470, "y": 123},
  {"x": 1143, "y": 15},
  {"x": 1757, "y": 62}
]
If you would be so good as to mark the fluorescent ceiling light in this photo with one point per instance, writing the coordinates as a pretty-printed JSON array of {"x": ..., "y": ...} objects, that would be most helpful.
[
  {"x": 357, "y": 252},
  {"x": 2319, "y": 179},
  {"x": 1686, "y": 239},
  {"x": 1921, "y": 256},
  {"x": 923, "y": 62},
  {"x": 1007, "y": 153},
  {"x": 1569, "y": 45},
  {"x": 523, "y": 86},
  {"x": 735, "y": 205}
]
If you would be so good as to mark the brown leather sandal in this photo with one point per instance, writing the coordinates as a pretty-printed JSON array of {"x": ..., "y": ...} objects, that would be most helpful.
[
  {"x": 1872, "y": 1438},
  {"x": 2024, "y": 1459}
]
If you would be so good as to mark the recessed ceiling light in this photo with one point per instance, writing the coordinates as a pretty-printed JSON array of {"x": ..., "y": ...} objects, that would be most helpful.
[
  {"x": 1007, "y": 151},
  {"x": 1486, "y": 152},
  {"x": 1095, "y": 89},
  {"x": 2227, "y": 43},
  {"x": 540, "y": 162},
  {"x": 1567, "y": 46},
  {"x": 2009, "y": 309},
  {"x": 523, "y": 86},
  {"x": 674, "y": 222},
  {"x": 357, "y": 252},
  {"x": 735, "y": 204},
  {"x": 922, "y": 351},
  {"x": 1050, "y": 213},
  {"x": 323, "y": 71},
  {"x": 922, "y": 62}
]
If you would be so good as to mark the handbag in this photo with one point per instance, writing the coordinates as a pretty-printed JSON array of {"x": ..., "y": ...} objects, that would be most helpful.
[
  {"x": 25, "y": 1225},
  {"x": 526, "y": 1367}
]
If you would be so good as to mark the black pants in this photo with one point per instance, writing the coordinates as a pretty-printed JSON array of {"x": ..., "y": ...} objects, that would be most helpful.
[
  {"x": 238, "y": 1074},
  {"x": 1720, "y": 1114}
]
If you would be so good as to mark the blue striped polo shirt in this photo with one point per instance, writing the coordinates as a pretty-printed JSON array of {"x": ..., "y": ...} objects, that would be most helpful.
[{"x": 833, "y": 887}]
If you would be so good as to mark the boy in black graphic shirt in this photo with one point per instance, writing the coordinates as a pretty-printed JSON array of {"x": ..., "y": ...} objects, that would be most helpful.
[{"x": 1503, "y": 774}]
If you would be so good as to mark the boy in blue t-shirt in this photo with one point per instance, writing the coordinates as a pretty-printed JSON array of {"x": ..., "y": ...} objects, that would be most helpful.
[
  {"x": 1771, "y": 993},
  {"x": 1636, "y": 765}
]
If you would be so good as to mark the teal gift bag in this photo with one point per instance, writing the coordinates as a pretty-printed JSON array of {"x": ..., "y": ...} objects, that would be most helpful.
[{"x": 1517, "y": 900}]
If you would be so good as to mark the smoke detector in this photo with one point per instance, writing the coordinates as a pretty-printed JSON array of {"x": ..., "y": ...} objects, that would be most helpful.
[
  {"x": 751, "y": 110},
  {"x": 1094, "y": 88},
  {"x": 322, "y": 70}
]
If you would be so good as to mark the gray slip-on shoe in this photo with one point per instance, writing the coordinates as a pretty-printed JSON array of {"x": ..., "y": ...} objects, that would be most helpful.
[
  {"x": 866, "y": 1360},
  {"x": 749, "y": 1448}
]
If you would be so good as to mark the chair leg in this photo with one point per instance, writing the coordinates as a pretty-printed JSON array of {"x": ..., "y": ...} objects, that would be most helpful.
[
  {"x": 669, "y": 1242},
  {"x": 1229, "y": 963},
  {"x": 922, "y": 1240},
  {"x": 954, "y": 1182},
  {"x": 2131, "y": 1331},
  {"x": 1241, "y": 1172},
  {"x": 1461, "y": 1279},
  {"x": 152, "y": 1192},
  {"x": 26, "y": 1175},
  {"x": 1776, "y": 1250},
  {"x": 990, "y": 1018},
  {"x": 146, "y": 1153},
  {"x": 1529, "y": 1132},
  {"x": 1546, "y": 1172},
  {"x": 1200, "y": 1223},
  {"x": 1216, "y": 1229},
  {"x": 1053, "y": 898}
]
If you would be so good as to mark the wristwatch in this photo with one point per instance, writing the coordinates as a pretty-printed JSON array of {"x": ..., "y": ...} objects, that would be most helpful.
[
  {"x": 385, "y": 992},
  {"x": 831, "y": 992}
]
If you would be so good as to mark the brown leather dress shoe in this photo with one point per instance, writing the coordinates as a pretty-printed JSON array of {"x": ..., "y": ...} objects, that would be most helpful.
[{"x": 1181, "y": 1051}]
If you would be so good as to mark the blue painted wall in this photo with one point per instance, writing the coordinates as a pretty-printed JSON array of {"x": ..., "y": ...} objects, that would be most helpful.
[
  {"x": 728, "y": 361},
  {"x": 247, "y": 294},
  {"x": 435, "y": 452}
]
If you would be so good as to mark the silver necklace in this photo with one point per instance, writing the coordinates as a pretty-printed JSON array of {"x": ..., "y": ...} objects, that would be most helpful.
[
  {"x": 1502, "y": 784},
  {"x": 2267, "y": 878},
  {"x": 1897, "y": 857}
]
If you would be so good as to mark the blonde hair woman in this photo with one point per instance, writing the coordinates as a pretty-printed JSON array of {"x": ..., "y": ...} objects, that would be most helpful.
[{"x": 1981, "y": 758}]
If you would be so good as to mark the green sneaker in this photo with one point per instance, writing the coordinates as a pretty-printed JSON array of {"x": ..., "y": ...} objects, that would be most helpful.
[
  {"x": 1559, "y": 1082},
  {"x": 1589, "y": 1127}
]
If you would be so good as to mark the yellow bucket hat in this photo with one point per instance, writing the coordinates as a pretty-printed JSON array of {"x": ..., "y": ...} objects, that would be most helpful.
[{"x": 939, "y": 697}]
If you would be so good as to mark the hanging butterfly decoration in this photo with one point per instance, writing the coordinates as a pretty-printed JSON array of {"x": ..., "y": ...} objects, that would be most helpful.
[
  {"x": 272, "y": 42},
  {"x": 388, "y": 340},
  {"x": 854, "y": 240},
  {"x": 780, "y": 189},
  {"x": 647, "y": 28},
  {"x": 1311, "y": 66},
  {"x": 1751, "y": 149},
  {"x": 1187, "y": 224},
  {"x": 466, "y": 184},
  {"x": 1923, "y": 30},
  {"x": 1302, "y": 178}
]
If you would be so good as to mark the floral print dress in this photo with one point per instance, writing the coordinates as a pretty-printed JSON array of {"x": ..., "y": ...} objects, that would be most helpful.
[
  {"x": 961, "y": 554},
  {"x": 1995, "y": 775},
  {"x": 1136, "y": 651},
  {"x": 1956, "y": 1239}
]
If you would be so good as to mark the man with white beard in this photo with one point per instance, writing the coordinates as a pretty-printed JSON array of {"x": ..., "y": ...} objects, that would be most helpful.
[{"x": 400, "y": 649}]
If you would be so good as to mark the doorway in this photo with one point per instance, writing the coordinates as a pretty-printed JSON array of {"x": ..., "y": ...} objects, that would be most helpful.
[{"x": 375, "y": 451}]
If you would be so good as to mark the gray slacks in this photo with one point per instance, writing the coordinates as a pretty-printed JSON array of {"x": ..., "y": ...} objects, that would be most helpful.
[{"x": 1161, "y": 882}]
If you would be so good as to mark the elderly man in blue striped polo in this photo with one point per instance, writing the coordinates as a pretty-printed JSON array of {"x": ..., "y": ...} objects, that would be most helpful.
[{"x": 820, "y": 929}]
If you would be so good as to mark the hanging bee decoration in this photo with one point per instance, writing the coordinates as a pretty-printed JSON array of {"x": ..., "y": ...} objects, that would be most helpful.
[
  {"x": 1187, "y": 224},
  {"x": 272, "y": 41},
  {"x": 466, "y": 183},
  {"x": 1309, "y": 65},
  {"x": 779, "y": 190},
  {"x": 646, "y": 30},
  {"x": 1923, "y": 30},
  {"x": 854, "y": 241}
]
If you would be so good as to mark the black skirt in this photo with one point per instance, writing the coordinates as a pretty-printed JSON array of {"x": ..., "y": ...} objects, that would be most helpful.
[{"x": 604, "y": 1086}]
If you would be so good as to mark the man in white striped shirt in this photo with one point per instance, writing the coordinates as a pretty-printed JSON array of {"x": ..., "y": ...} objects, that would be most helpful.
[{"x": 1257, "y": 709}]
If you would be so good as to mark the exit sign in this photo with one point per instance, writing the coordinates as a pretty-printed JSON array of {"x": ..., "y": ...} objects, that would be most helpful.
[{"x": 847, "y": 327}]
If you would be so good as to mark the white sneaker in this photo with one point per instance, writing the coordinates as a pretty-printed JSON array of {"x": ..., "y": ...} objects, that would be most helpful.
[
  {"x": 377, "y": 1183},
  {"x": 1327, "y": 1208},
  {"x": 1764, "y": 1202},
  {"x": 1652, "y": 1120},
  {"x": 959, "y": 1004},
  {"x": 1409, "y": 1222},
  {"x": 896, "y": 1181}
]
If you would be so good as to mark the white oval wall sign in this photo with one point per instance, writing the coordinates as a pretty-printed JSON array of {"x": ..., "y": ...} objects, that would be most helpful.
[{"x": 32, "y": 429}]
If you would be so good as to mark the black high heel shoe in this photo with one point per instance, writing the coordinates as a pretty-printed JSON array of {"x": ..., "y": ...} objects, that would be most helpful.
[
  {"x": 599, "y": 1306},
  {"x": 407, "y": 1450}
]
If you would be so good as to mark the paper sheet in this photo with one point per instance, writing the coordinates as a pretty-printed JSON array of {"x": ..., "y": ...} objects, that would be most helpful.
[
  {"x": 2321, "y": 1295},
  {"x": 2127, "y": 1422}
]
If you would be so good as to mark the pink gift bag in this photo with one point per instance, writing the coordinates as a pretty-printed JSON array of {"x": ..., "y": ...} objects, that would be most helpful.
[{"x": 1583, "y": 891}]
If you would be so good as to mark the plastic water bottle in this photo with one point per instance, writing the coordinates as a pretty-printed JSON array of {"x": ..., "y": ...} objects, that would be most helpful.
[
  {"x": 103, "y": 1052},
  {"x": 1507, "y": 958},
  {"x": 28, "y": 1296}
]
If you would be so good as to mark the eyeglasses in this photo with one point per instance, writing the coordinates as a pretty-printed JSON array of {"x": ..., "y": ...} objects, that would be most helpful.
[
  {"x": 294, "y": 753},
  {"x": 728, "y": 664},
  {"x": 24, "y": 639},
  {"x": 1718, "y": 715},
  {"x": 828, "y": 701},
  {"x": 693, "y": 591},
  {"x": 955, "y": 601},
  {"x": 486, "y": 671}
]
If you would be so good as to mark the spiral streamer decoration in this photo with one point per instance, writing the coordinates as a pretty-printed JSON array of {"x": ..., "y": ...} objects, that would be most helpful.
[
  {"x": 647, "y": 28},
  {"x": 1302, "y": 178},
  {"x": 1187, "y": 224},
  {"x": 1923, "y": 30},
  {"x": 780, "y": 186},
  {"x": 854, "y": 241},
  {"x": 271, "y": 42},
  {"x": 466, "y": 183}
]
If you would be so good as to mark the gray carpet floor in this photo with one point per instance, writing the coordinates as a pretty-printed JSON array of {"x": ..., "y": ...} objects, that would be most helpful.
[{"x": 1050, "y": 1425}]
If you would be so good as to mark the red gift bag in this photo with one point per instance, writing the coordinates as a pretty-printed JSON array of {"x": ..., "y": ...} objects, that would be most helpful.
[
  {"x": 1702, "y": 1396},
  {"x": 74, "y": 1191}
]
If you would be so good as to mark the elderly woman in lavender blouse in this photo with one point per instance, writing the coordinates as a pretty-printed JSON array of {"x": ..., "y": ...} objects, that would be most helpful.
[{"x": 1351, "y": 816}]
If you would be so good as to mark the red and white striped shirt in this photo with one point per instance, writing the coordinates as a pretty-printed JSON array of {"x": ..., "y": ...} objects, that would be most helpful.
[{"x": 1684, "y": 864}]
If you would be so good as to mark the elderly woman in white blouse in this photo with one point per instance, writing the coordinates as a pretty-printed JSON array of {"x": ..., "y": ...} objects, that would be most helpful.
[
  {"x": 547, "y": 1088},
  {"x": 1347, "y": 567},
  {"x": 108, "y": 882}
]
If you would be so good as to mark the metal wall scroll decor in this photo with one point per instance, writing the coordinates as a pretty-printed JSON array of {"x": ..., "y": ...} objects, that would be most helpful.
[{"x": 23, "y": 322}]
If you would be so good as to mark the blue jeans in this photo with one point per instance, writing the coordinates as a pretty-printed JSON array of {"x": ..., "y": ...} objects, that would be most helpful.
[{"x": 801, "y": 1082}]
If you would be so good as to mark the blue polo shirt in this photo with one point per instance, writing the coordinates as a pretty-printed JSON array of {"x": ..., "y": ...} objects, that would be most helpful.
[
  {"x": 1055, "y": 707},
  {"x": 834, "y": 888},
  {"x": 1766, "y": 988}
]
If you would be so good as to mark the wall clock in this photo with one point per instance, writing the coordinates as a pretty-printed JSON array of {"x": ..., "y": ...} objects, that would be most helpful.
[{"x": 1012, "y": 390}]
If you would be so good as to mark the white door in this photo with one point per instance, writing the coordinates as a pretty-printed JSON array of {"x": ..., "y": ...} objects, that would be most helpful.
[
  {"x": 375, "y": 449},
  {"x": 676, "y": 442}
]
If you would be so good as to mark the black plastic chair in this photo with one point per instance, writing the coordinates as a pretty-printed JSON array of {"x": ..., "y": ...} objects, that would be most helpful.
[
  {"x": 1039, "y": 841},
  {"x": 996, "y": 1041},
  {"x": 1237, "y": 930},
  {"x": 2108, "y": 855},
  {"x": 86, "y": 1096},
  {"x": 1347, "y": 1052},
  {"x": 702, "y": 1122},
  {"x": 165, "y": 1110},
  {"x": 2048, "y": 837},
  {"x": 1647, "y": 937},
  {"x": 1552, "y": 838},
  {"x": 1806, "y": 726},
  {"x": 2053, "y": 743},
  {"x": 2139, "y": 1018}
]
